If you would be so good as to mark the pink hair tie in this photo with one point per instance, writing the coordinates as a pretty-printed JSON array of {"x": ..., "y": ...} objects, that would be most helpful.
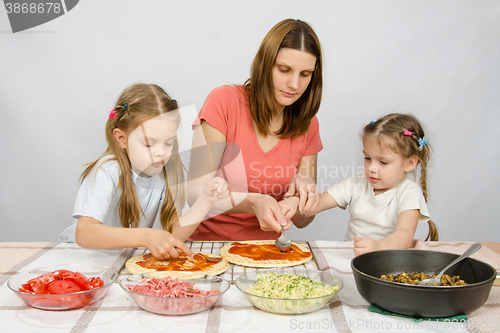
[
  {"x": 407, "y": 133},
  {"x": 112, "y": 114}
]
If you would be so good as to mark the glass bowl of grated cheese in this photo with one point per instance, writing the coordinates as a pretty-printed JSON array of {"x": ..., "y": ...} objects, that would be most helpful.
[{"x": 289, "y": 290}]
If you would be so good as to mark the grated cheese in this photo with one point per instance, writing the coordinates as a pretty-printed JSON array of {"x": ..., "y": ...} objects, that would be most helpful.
[{"x": 289, "y": 286}]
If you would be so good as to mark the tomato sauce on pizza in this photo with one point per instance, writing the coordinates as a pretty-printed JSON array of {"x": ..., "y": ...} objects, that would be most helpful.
[
  {"x": 144, "y": 263},
  {"x": 181, "y": 263},
  {"x": 267, "y": 252},
  {"x": 264, "y": 253}
]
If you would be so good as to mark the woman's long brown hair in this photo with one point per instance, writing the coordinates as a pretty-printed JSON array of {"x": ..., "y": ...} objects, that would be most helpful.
[
  {"x": 294, "y": 34},
  {"x": 137, "y": 104}
]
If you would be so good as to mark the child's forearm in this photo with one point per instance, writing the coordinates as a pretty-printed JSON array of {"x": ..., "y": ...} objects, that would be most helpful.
[
  {"x": 187, "y": 224},
  {"x": 325, "y": 202},
  {"x": 91, "y": 233},
  {"x": 403, "y": 235},
  {"x": 239, "y": 202},
  {"x": 399, "y": 239},
  {"x": 301, "y": 221}
]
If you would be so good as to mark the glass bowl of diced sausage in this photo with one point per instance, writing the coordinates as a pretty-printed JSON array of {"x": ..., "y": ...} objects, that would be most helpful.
[{"x": 175, "y": 293}]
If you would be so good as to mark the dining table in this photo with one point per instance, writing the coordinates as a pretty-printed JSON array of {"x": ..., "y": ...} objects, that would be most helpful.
[{"x": 117, "y": 312}]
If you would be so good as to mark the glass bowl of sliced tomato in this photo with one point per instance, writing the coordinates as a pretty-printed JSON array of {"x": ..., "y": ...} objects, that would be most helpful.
[{"x": 64, "y": 287}]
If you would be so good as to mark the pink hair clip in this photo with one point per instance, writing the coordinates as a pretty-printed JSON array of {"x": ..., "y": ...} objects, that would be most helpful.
[
  {"x": 407, "y": 133},
  {"x": 112, "y": 114}
]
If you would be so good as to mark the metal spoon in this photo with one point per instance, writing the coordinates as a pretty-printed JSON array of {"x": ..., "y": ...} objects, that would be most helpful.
[
  {"x": 208, "y": 259},
  {"x": 282, "y": 242},
  {"x": 437, "y": 280}
]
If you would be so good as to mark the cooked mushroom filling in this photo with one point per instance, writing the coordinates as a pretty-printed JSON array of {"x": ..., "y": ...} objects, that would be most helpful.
[{"x": 416, "y": 277}]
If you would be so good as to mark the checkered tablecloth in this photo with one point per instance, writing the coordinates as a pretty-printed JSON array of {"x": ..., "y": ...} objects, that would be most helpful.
[{"x": 233, "y": 313}]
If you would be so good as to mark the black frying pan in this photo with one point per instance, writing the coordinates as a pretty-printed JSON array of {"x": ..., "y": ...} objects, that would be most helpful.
[{"x": 422, "y": 301}]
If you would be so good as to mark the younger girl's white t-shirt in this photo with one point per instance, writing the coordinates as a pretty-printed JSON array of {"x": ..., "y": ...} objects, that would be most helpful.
[
  {"x": 376, "y": 216},
  {"x": 98, "y": 197}
]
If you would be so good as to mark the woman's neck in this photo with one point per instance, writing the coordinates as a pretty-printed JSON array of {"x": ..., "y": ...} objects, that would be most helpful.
[{"x": 276, "y": 122}]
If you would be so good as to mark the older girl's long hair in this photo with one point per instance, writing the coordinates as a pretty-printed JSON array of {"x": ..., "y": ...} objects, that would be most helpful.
[
  {"x": 393, "y": 126},
  {"x": 294, "y": 34},
  {"x": 137, "y": 104}
]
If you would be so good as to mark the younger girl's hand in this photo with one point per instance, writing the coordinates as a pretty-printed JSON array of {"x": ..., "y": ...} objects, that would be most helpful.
[
  {"x": 217, "y": 189},
  {"x": 289, "y": 207},
  {"x": 163, "y": 244},
  {"x": 364, "y": 245}
]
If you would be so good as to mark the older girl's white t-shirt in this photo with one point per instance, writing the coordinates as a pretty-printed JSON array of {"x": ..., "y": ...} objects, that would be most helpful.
[
  {"x": 98, "y": 197},
  {"x": 376, "y": 216}
]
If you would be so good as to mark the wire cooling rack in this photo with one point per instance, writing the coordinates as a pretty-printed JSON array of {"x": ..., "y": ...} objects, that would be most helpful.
[{"x": 233, "y": 270}]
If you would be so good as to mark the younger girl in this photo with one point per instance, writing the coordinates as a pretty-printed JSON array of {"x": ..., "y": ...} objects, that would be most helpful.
[
  {"x": 139, "y": 178},
  {"x": 385, "y": 205}
]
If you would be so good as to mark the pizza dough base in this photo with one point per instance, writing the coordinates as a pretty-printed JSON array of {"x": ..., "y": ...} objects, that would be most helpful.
[
  {"x": 242, "y": 261},
  {"x": 218, "y": 268}
]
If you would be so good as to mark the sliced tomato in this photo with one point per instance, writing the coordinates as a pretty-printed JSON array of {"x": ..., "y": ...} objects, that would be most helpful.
[
  {"x": 87, "y": 299},
  {"x": 80, "y": 283},
  {"x": 21, "y": 289},
  {"x": 96, "y": 282},
  {"x": 26, "y": 288},
  {"x": 81, "y": 280},
  {"x": 37, "y": 286},
  {"x": 46, "y": 278},
  {"x": 81, "y": 277},
  {"x": 59, "y": 274},
  {"x": 73, "y": 301},
  {"x": 61, "y": 282},
  {"x": 63, "y": 287},
  {"x": 46, "y": 302}
]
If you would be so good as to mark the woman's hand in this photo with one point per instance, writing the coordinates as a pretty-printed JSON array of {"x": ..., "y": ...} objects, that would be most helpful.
[
  {"x": 163, "y": 244},
  {"x": 268, "y": 212},
  {"x": 303, "y": 186},
  {"x": 289, "y": 207}
]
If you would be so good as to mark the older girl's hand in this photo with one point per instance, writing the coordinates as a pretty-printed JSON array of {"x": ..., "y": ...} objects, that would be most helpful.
[
  {"x": 163, "y": 244},
  {"x": 303, "y": 186},
  {"x": 217, "y": 189},
  {"x": 268, "y": 212}
]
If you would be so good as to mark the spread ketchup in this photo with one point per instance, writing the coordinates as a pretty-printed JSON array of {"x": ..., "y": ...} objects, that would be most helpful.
[
  {"x": 181, "y": 263},
  {"x": 267, "y": 252}
]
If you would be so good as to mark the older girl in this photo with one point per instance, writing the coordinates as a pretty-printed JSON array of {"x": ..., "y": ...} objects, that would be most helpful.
[{"x": 138, "y": 178}]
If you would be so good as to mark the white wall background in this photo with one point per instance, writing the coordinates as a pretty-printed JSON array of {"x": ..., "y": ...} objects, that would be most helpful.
[{"x": 436, "y": 59}]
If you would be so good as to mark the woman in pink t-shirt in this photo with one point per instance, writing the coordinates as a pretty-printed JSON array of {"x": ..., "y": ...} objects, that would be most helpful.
[{"x": 263, "y": 138}]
